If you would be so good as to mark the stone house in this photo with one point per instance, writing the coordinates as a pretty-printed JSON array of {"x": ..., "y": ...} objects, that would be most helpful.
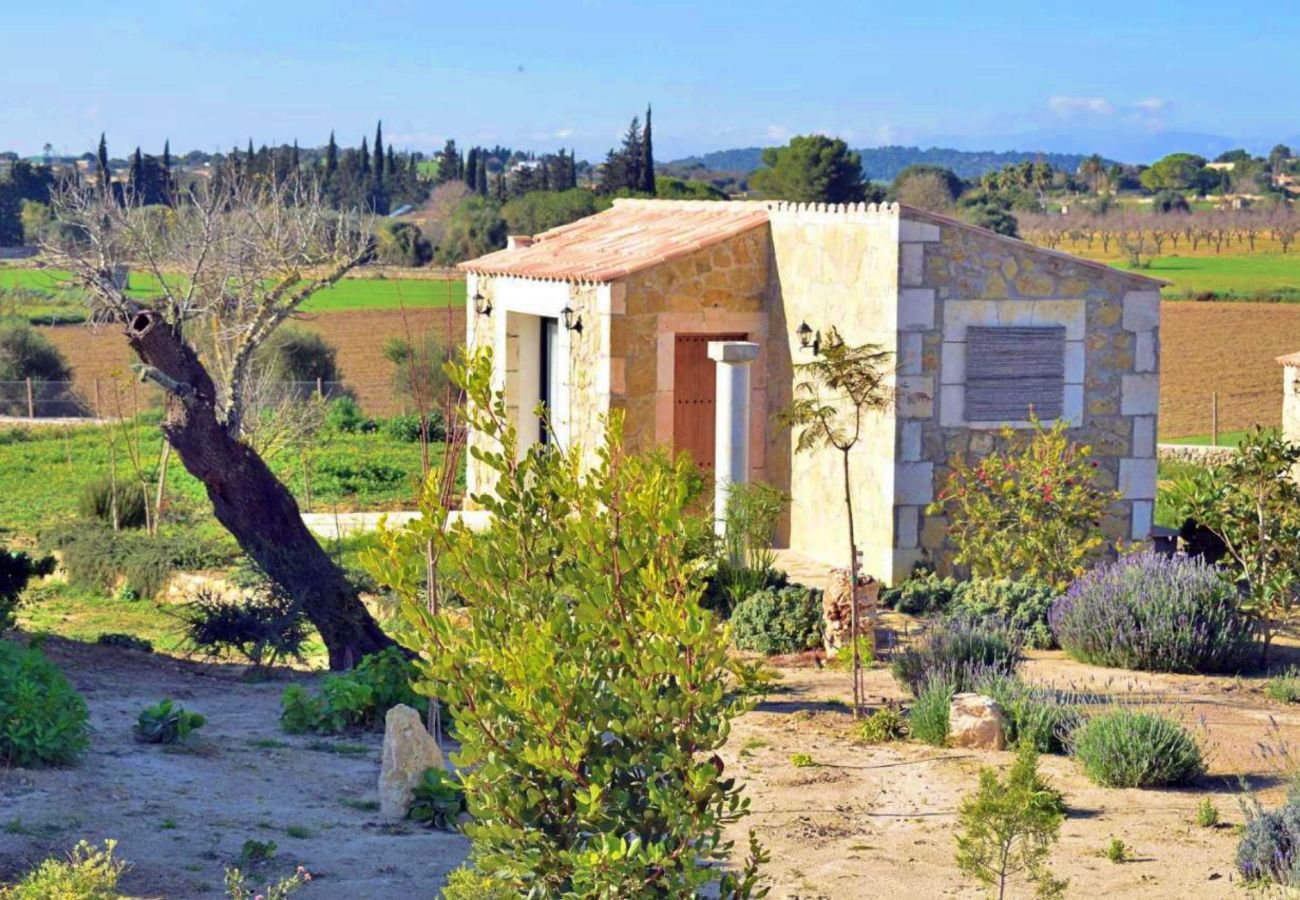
[{"x": 617, "y": 311}]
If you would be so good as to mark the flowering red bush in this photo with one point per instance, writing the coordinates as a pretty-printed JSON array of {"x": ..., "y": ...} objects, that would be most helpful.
[{"x": 1033, "y": 511}]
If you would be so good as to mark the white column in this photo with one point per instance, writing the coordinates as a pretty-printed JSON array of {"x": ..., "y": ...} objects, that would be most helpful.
[{"x": 731, "y": 421}]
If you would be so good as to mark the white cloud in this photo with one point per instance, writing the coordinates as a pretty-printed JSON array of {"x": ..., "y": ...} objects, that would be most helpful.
[
  {"x": 886, "y": 134},
  {"x": 564, "y": 133},
  {"x": 1065, "y": 106},
  {"x": 1151, "y": 104},
  {"x": 778, "y": 132}
]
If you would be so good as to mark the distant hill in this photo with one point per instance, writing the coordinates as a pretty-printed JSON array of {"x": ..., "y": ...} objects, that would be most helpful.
[{"x": 883, "y": 163}]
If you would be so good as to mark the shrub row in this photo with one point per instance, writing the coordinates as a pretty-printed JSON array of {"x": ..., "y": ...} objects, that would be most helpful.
[
  {"x": 1023, "y": 605},
  {"x": 356, "y": 699}
]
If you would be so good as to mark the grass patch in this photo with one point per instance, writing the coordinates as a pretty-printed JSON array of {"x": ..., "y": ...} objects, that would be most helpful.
[
  {"x": 85, "y": 615},
  {"x": 1229, "y": 276},
  {"x": 1226, "y": 439},
  {"x": 360, "y": 805},
  {"x": 342, "y": 748},
  {"x": 386, "y": 293}
]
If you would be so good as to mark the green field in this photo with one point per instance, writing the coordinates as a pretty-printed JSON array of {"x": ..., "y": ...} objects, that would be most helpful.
[
  {"x": 62, "y": 302},
  {"x": 43, "y": 472},
  {"x": 1238, "y": 277}
]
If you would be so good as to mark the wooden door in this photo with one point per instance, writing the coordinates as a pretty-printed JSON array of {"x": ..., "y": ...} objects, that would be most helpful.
[{"x": 695, "y": 382}]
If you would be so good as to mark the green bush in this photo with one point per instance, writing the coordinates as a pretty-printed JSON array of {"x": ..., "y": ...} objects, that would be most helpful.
[
  {"x": 124, "y": 642},
  {"x": 959, "y": 649},
  {"x": 343, "y": 415},
  {"x": 26, "y": 353},
  {"x": 924, "y": 594},
  {"x": 728, "y": 585},
  {"x": 42, "y": 719},
  {"x": 1284, "y": 687},
  {"x": 1127, "y": 748},
  {"x": 883, "y": 726},
  {"x": 98, "y": 558},
  {"x": 770, "y": 622},
  {"x": 467, "y": 883},
  {"x": 294, "y": 355},
  {"x": 406, "y": 428},
  {"x": 1023, "y": 605},
  {"x": 263, "y": 628},
  {"x": 1269, "y": 849},
  {"x": 100, "y": 499},
  {"x": 401, "y": 244},
  {"x": 356, "y": 699},
  {"x": 16, "y": 569},
  {"x": 927, "y": 720},
  {"x": 87, "y": 874},
  {"x": 166, "y": 723},
  {"x": 1033, "y": 717},
  {"x": 438, "y": 800}
]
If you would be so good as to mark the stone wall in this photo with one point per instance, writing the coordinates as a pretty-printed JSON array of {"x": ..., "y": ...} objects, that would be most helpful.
[
  {"x": 719, "y": 289},
  {"x": 952, "y": 277},
  {"x": 833, "y": 269}
]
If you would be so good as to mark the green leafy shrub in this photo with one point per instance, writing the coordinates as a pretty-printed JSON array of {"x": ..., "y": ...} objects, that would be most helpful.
[
  {"x": 1034, "y": 717},
  {"x": 728, "y": 585},
  {"x": 42, "y": 719},
  {"x": 1022, "y": 605},
  {"x": 254, "y": 852},
  {"x": 356, "y": 699},
  {"x": 124, "y": 642},
  {"x": 1118, "y": 852},
  {"x": 16, "y": 569},
  {"x": 297, "y": 356},
  {"x": 346, "y": 476},
  {"x": 883, "y": 726},
  {"x": 237, "y": 887},
  {"x": 87, "y": 874},
  {"x": 98, "y": 558},
  {"x": 770, "y": 622},
  {"x": 958, "y": 649},
  {"x": 407, "y": 428},
  {"x": 104, "y": 498},
  {"x": 26, "y": 353},
  {"x": 400, "y": 243},
  {"x": 924, "y": 594},
  {"x": 1029, "y": 511},
  {"x": 438, "y": 800},
  {"x": 344, "y": 416},
  {"x": 579, "y": 665},
  {"x": 928, "y": 719},
  {"x": 263, "y": 628},
  {"x": 166, "y": 723},
  {"x": 466, "y": 883},
  {"x": 1007, "y": 828},
  {"x": 802, "y": 761},
  {"x": 1155, "y": 613},
  {"x": 1128, "y": 748}
]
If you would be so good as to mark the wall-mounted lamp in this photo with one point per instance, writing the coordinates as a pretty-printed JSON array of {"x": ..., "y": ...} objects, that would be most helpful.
[
  {"x": 482, "y": 305},
  {"x": 809, "y": 339},
  {"x": 572, "y": 321}
]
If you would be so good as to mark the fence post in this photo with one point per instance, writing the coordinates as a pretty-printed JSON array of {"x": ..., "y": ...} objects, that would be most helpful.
[
  {"x": 1214, "y": 419},
  {"x": 31, "y": 401},
  {"x": 320, "y": 388},
  {"x": 99, "y": 408}
]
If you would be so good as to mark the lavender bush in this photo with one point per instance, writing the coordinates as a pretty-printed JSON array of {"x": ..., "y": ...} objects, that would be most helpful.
[
  {"x": 960, "y": 649},
  {"x": 1157, "y": 614}
]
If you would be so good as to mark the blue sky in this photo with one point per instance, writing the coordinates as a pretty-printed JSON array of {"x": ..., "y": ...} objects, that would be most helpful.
[{"x": 1123, "y": 78}]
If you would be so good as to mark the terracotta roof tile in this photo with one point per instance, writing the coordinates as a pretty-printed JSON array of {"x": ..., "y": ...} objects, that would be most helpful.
[
  {"x": 1290, "y": 359},
  {"x": 630, "y": 236}
]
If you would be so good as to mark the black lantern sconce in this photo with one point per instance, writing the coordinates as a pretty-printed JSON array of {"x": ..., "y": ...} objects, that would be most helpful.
[
  {"x": 482, "y": 305},
  {"x": 809, "y": 339},
  {"x": 572, "y": 321}
]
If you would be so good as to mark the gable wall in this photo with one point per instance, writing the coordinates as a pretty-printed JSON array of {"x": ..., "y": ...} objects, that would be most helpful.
[{"x": 1112, "y": 371}]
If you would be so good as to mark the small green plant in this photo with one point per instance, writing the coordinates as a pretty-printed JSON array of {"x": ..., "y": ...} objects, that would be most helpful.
[
  {"x": 1127, "y": 748},
  {"x": 1031, "y": 715},
  {"x": 166, "y": 723},
  {"x": 255, "y": 852},
  {"x": 1007, "y": 828},
  {"x": 42, "y": 719},
  {"x": 928, "y": 719},
  {"x": 1118, "y": 852},
  {"x": 88, "y": 873},
  {"x": 237, "y": 887},
  {"x": 352, "y": 700},
  {"x": 468, "y": 883},
  {"x": 438, "y": 800},
  {"x": 1285, "y": 687},
  {"x": 802, "y": 761},
  {"x": 301, "y": 832},
  {"x": 782, "y": 621},
  {"x": 883, "y": 726},
  {"x": 1207, "y": 814},
  {"x": 842, "y": 661},
  {"x": 264, "y": 627},
  {"x": 959, "y": 649}
]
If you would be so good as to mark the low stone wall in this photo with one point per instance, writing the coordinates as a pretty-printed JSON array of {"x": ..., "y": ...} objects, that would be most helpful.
[{"x": 1197, "y": 454}]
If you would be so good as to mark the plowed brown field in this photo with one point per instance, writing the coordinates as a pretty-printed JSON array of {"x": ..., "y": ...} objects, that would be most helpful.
[
  {"x": 1227, "y": 348},
  {"x": 359, "y": 336}
]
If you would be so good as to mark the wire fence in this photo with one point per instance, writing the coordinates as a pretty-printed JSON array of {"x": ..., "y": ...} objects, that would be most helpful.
[
  {"x": 1216, "y": 417},
  {"x": 111, "y": 398}
]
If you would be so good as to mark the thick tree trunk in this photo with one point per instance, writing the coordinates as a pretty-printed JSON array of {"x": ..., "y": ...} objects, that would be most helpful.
[{"x": 249, "y": 500}]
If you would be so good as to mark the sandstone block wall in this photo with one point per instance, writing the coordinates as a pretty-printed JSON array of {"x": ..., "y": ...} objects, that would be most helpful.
[{"x": 1112, "y": 323}]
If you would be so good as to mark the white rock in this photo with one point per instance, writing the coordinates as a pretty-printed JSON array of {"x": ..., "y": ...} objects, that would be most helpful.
[
  {"x": 975, "y": 721},
  {"x": 408, "y": 751}
]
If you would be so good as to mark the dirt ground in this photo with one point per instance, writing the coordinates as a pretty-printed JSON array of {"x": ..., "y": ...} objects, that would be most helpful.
[
  {"x": 867, "y": 821},
  {"x": 181, "y": 816}
]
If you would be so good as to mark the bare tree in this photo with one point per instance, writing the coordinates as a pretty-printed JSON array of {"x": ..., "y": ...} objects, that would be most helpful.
[{"x": 233, "y": 259}]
